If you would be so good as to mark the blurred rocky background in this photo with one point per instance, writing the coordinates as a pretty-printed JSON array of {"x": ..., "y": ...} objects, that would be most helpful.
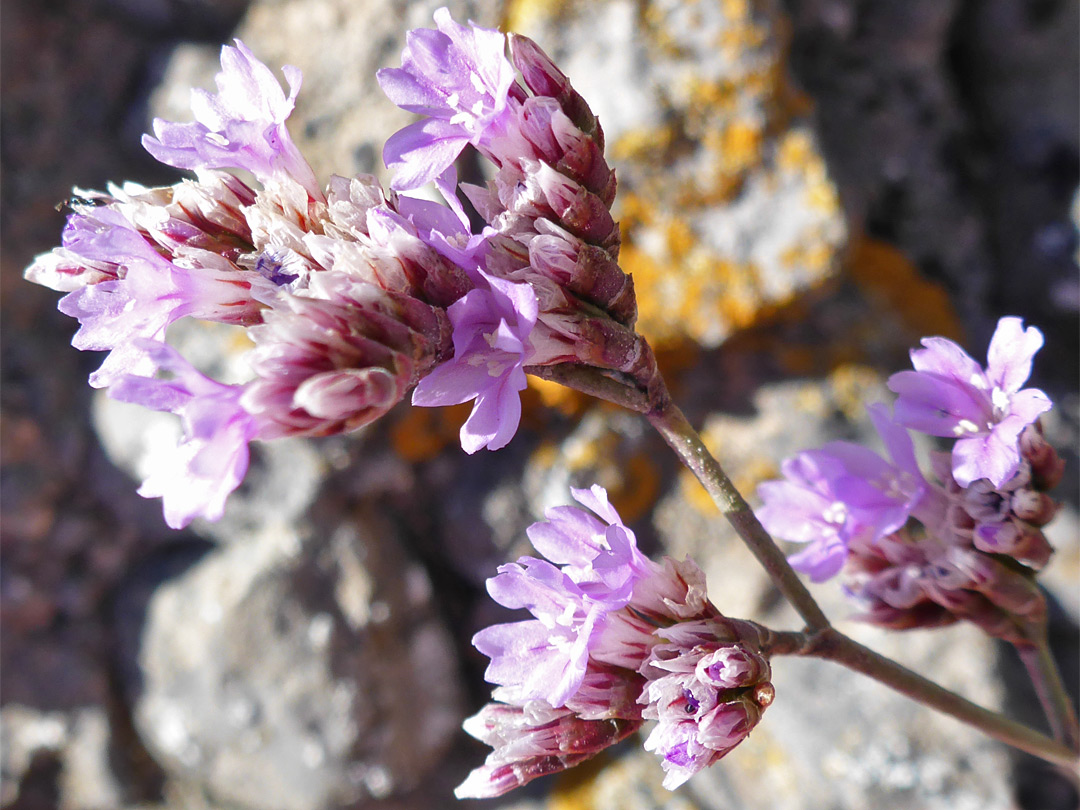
[{"x": 806, "y": 188}]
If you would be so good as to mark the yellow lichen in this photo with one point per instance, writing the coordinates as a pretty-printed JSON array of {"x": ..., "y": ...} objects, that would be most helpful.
[
  {"x": 563, "y": 399},
  {"x": 525, "y": 15},
  {"x": 852, "y": 386}
]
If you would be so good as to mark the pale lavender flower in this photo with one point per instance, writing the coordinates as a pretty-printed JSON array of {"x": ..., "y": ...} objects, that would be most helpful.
[
  {"x": 601, "y": 605},
  {"x": 211, "y": 460},
  {"x": 492, "y": 326},
  {"x": 459, "y": 77},
  {"x": 446, "y": 228},
  {"x": 985, "y": 410},
  {"x": 832, "y": 496},
  {"x": 143, "y": 292},
  {"x": 576, "y": 678},
  {"x": 597, "y": 551},
  {"x": 544, "y": 658},
  {"x": 241, "y": 127}
]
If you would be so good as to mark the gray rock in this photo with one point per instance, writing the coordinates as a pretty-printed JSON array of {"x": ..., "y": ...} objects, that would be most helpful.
[
  {"x": 298, "y": 670},
  {"x": 78, "y": 740}
]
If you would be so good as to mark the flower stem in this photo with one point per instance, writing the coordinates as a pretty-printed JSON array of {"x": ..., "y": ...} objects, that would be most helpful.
[
  {"x": 834, "y": 646},
  {"x": 688, "y": 445},
  {"x": 1050, "y": 688},
  {"x": 594, "y": 382}
]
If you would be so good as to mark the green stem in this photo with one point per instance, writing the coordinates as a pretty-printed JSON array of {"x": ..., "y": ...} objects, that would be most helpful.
[
  {"x": 834, "y": 646},
  {"x": 687, "y": 444},
  {"x": 594, "y": 382},
  {"x": 1051, "y": 690}
]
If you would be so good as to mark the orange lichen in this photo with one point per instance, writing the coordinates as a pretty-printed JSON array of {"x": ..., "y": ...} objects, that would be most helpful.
[
  {"x": 563, "y": 399},
  {"x": 422, "y": 433},
  {"x": 883, "y": 271}
]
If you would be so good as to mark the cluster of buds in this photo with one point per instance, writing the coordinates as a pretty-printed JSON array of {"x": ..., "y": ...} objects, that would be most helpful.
[
  {"x": 963, "y": 545},
  {"x": 616, "y": 639},
  {"x": 980, "y": 560},
  {"x": 353, "y": 295}
]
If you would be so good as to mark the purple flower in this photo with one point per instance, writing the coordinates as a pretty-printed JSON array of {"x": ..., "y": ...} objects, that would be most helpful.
[
  {"x": 600, "y": 607},
  {"x": 446, "y": 227},
  {"x": 144, "y": 292},
  {"x": 985, "y": 410},
  {"x": 583, "y": 672},
  {"x": 459, "y": 77},
  {"x": 830, "y": 497},
  {"x": 241, "y": 127},
  {"x": 211, "y": 460},
  {"x": 491, "y": 347},
  {"x": 596, "y": 551},
  {"x": 544, "y": 658}
]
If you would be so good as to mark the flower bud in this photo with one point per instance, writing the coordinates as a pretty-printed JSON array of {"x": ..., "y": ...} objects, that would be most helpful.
[
  {"x": 544, "y": 79},
  {"x": 340, "y": 355},
  {"x": 1036, "y": 508},
  {"x": 1047, "y": 466},
  {"x": 706, "y": 697}
]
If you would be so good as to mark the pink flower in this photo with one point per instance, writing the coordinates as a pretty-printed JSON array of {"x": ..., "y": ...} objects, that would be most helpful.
[
  {"x": 143, "y": 292},
  {"x": 614, "y": 637},
  {"x": 843, "y": 492}
]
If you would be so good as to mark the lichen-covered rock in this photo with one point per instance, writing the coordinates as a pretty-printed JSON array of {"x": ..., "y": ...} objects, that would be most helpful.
[{"x": 725, "y": 204}]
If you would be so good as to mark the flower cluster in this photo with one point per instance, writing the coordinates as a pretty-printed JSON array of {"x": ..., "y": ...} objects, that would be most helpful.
[
  {"x": 961, "y": 544},
  {"x": 353, "y": 295},
  {"x": 616, "y": 639},
  {"x": 547, "y": 209}
]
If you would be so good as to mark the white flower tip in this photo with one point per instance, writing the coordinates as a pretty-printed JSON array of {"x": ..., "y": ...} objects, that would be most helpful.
[{"x": 477, "y": 785}]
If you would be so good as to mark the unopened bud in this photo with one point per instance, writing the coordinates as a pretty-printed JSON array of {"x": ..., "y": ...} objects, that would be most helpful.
[
  {"x": 544, "y": 79},
  {"x": 1023, "y": 542},
  {"x": 1036, "y": 508},
  {"x": 1047, "y": 466}
]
